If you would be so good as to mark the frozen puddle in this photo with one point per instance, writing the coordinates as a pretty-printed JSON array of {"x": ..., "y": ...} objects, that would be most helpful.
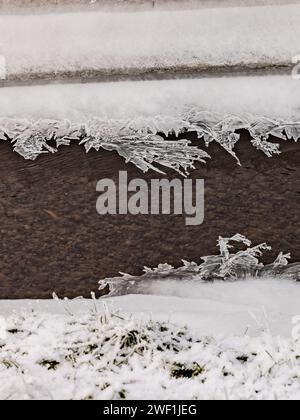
[{"x": 221, "y": 308}]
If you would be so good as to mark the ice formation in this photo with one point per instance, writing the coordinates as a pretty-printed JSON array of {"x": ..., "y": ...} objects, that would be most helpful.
[
  {"x": 142, "y": 141},
  {"x": 225, "y": 266}
]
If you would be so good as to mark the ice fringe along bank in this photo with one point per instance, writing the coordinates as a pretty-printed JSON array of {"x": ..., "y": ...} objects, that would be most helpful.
[
  {"x": 142, "y": 141},
  {"x": 226, "y": 266}
]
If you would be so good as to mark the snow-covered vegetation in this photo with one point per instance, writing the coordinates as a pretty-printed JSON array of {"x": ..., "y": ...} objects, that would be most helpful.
[
  {"x": 89, "y": 350},
  {"x": 106, "y": 355},
  {"x": 180, "y": 333},
  {"x": 180, "y": 338}
]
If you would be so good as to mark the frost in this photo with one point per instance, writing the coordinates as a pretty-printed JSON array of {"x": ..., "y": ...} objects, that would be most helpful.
[
  {"x": 109, "y": 355},
  {"x": 142, "y": 141},
  {"x": 227, "y": 266}
]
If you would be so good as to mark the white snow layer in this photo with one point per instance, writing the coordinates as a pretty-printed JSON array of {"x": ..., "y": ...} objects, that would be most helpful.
[
  {"x": 229, "y": 348},
  {"x": 268, "y": 96},
  {"x": 214, "y": 309},
  {"x": 105, "y": 41},
  {"x": 42, "y": 6}
]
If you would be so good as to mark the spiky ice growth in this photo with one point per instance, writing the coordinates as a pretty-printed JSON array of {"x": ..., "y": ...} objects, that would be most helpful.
[
  {"x": 142, "y": 142},
  {"x": 226, "y": 265}
]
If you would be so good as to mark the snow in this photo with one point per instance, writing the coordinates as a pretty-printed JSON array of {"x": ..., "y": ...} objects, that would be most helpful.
[
  {"x": 129, "y": 117},
  {"x": 220, "y": 308},
  {"x": 174, "y": 339},
  {"x": 269, "y": 96},
  {"x": 199, "y": 341},
  {"x": 179, "y": 339},
  {"x": 41, "y": 6},
  {"x": 157, "y": 39}
]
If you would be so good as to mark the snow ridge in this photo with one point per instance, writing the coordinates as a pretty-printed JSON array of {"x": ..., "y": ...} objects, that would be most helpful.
[{"x": 141, "y": 140}]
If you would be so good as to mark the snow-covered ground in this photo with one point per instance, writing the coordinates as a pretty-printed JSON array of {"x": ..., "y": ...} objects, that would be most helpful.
[
  {"x": 220, "y": 308},
  {"x": 177, "y": 340},
  {"x": 52, "y": 43},
  {"x": 192, "y": 341}
]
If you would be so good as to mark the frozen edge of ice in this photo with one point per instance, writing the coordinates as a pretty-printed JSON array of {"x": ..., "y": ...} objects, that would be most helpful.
[
  {"x": 226, "y": 266},
  {"x": 140, "y": 140}
]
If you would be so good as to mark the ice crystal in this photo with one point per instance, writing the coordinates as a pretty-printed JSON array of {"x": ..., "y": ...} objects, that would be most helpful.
[
  {"x": 227, "y": 265},
  {"x": 142, "y": 141}
]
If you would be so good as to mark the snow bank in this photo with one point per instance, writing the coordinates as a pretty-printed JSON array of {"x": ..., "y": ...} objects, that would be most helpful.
[{"x": 80, "y": 42}]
